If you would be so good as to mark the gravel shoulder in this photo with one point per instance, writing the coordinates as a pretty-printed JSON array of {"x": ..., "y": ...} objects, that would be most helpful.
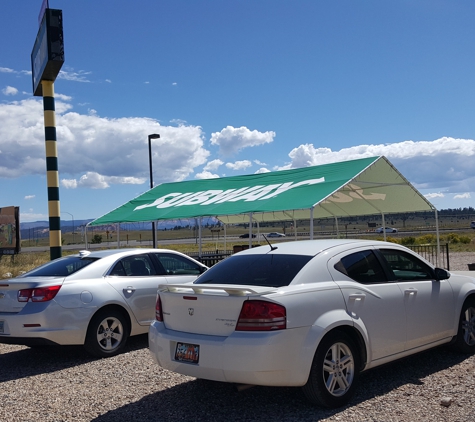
[{"x": 65, "y": 384}]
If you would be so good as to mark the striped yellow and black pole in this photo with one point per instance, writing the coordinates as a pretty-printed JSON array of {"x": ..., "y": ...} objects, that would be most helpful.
[{"x": 52, "y": 174}]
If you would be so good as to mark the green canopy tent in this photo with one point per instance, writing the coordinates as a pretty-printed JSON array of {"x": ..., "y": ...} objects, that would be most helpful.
[{"x": 351, "y": 188}]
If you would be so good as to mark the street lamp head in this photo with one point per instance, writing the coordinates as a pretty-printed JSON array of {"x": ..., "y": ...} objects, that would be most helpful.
[{"x": 154, "y": 136}]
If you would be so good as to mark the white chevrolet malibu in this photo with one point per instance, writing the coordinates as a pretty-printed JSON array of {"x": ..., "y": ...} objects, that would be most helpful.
[
  {"x": 96, "y": 299},
  {"x": 312, "y": 314}
]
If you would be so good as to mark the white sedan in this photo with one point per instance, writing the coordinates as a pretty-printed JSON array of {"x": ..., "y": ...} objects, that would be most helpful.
[
  {"x": 312, "y": 314},
  {"x": 96, "y": 299},
  {"x": 386, "y": 229}
]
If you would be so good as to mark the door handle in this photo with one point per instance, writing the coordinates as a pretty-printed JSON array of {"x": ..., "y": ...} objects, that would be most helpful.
[
  {"x": 410, "y": 292},
  {"x": 357, "y": 296},
  {"x": 129, "y": 290}
]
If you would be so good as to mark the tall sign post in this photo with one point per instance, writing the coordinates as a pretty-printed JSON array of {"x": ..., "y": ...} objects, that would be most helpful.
[{"x": 47, "y": 58}]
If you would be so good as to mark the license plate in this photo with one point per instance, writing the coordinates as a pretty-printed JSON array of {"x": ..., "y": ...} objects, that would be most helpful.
[
  {"x": 1, "y": 327},
  {"x": 186, "y": 352}
]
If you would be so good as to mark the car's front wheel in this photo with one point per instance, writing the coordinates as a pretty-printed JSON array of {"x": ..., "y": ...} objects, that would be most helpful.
[
  {"x": 334, "y": 371},
  {"x": 107, "y": 334},
  {"x": 465, "y": 341}
]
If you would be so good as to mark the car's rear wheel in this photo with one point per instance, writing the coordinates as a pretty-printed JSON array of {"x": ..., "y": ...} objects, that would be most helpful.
[
  {"x": 465, "y": 341},
  {"x": 107, "y": 333},
  {"x": 334, "y": 371}
]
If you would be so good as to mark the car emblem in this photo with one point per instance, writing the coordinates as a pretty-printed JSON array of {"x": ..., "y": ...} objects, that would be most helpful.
[
  {"x": 191, "y": 311},
  {"x": 2, "y": 295}
]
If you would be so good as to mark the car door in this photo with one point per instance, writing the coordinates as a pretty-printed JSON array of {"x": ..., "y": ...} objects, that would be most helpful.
[
  {"x": 375, "y": 304},
  {"x": 136, "y": 278},
  {"x": 429, "y": 302}
]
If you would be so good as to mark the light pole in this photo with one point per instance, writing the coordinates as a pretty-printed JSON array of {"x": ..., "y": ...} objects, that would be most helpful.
[
  {"x": 72, "y": 218},
  {"x": 150, "y": 137}
]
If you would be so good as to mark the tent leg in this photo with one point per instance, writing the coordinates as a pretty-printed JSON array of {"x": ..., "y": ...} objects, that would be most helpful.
[
  {"x": 311, "y": 223},
  {"x": 384, "y": 226},
  {"x": 295, "y": 229},
  {"x": 225, "y": 238},
  {"x": 337, "y": 229},
  {"x": 250, "y": 230},
  {"x": 118, "y": 236},
  {"x": 438, "y": 237},
  {"x": 200, "y": 240}
]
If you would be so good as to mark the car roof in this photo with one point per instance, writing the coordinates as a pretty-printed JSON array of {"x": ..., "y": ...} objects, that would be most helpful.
[
  {"x": 314, "y": 247},
  {"x": 120, "y": 252}
]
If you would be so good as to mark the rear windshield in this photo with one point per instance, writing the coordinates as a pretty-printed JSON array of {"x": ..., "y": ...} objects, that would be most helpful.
[
  {"x": 61, "y": 267},
  {"x": 255, "y": 270}
]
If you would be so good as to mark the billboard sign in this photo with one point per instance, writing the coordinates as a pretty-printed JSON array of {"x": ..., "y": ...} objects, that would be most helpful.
[
  {"x": 9, "y": 230},
  {"x": 47, "y": 56},
  {"x": 44, "y": 6}
]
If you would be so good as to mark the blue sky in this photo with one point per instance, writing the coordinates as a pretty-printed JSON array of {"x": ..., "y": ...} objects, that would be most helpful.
[{"x": 238, "y": 87}]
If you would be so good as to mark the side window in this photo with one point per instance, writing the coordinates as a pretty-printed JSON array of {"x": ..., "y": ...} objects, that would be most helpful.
[
  {"x": 133, "y": 266},
  {"x": 406, "y": 266},
  {"x": 177, "y": 264},
  {"x": 363, "y": 267}
]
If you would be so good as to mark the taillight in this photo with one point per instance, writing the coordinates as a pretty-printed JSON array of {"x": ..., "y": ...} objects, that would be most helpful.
[
  {"x": 158, "y": 309},
  {"x": 38, "y": 294},
  {"x": 259, "y": 315}
]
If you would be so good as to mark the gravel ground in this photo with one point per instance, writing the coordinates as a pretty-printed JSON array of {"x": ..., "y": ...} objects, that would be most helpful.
[{"x": 65, "y": 384}]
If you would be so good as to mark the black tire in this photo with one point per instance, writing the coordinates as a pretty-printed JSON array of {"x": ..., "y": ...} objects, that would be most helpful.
[
  {"x": 334, "y": 371},
  {"x": 465, "y": 341},
  {"x": 107, "y": 333}
]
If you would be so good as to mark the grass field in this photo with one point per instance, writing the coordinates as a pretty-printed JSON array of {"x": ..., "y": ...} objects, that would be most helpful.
[{"x": 460, "y": 241}]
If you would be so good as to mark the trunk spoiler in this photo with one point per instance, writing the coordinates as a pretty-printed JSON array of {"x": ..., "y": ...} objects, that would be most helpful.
[{"x": 237, "y": 290}]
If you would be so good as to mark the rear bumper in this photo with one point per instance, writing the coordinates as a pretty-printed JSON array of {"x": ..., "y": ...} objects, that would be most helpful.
[
  {"x": 277, "y": 358},
  {"x": 45, "y": 324},
  {"x": 27, "y": 341}
]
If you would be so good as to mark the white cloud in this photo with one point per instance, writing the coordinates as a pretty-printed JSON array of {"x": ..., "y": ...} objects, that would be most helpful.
[
  {"x": 446, "y": 163},
  {"x": 96, "y": 151},
  {"x": 15, "y": 72},
  {"x": 31, "y": 216},
  {"x": 262, "y": 170},
  {"x": 69, "y": 183},
  {"x": 434, "y": 195},
  {"x": 70, "y": 75},
  {"x": 29, "y": 197},
  {"x": 206, "y": 175},
  {"x": 213, "y": 164},
  {"x": 259, "y": 163},
  {"x": 10, "y": 90},
  {"x": 465, "y": 195},
  {"x": 231, "y": 140},
  {"x": 239, "y": 165},
  {"x": 62, "y": 97},
  {"x": 108, "y": 81}
]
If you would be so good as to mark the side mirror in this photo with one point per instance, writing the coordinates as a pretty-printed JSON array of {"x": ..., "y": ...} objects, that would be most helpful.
[{"x": 441, "y": 274}]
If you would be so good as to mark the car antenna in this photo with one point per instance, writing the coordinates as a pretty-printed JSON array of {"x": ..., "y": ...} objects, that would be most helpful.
[{"x": 272, "y": 248}]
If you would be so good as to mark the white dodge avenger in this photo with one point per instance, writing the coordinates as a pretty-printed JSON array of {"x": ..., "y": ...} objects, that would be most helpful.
[{"x": 312, "y": 314}]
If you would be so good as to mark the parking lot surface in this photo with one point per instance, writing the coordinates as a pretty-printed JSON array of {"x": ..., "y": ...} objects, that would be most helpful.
[{"x": 65, "y": 384}]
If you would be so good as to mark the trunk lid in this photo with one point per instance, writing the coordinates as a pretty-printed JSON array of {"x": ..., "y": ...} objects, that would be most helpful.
[
  {"x": 205, "y": 308},
  {"x": 9, "y": 291}
]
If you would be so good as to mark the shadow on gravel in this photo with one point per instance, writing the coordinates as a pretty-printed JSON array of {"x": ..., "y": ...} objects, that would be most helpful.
[
  {"x": 28, "y": 362},
  {"x": 206, "y": 400}
]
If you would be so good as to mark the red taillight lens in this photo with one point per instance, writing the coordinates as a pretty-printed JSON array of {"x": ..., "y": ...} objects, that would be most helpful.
[
  {"x": 40, "y": 294},
  {"x": 158, "y": 309},
  {"x": 259, "y": 315}
]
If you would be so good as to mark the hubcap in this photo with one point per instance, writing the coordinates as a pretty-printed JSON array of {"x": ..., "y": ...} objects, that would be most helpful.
[
  {"x": 338, "y": 369},
  {"x": 109, "y": 333},
  {"x": 468, "y": 326}
]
